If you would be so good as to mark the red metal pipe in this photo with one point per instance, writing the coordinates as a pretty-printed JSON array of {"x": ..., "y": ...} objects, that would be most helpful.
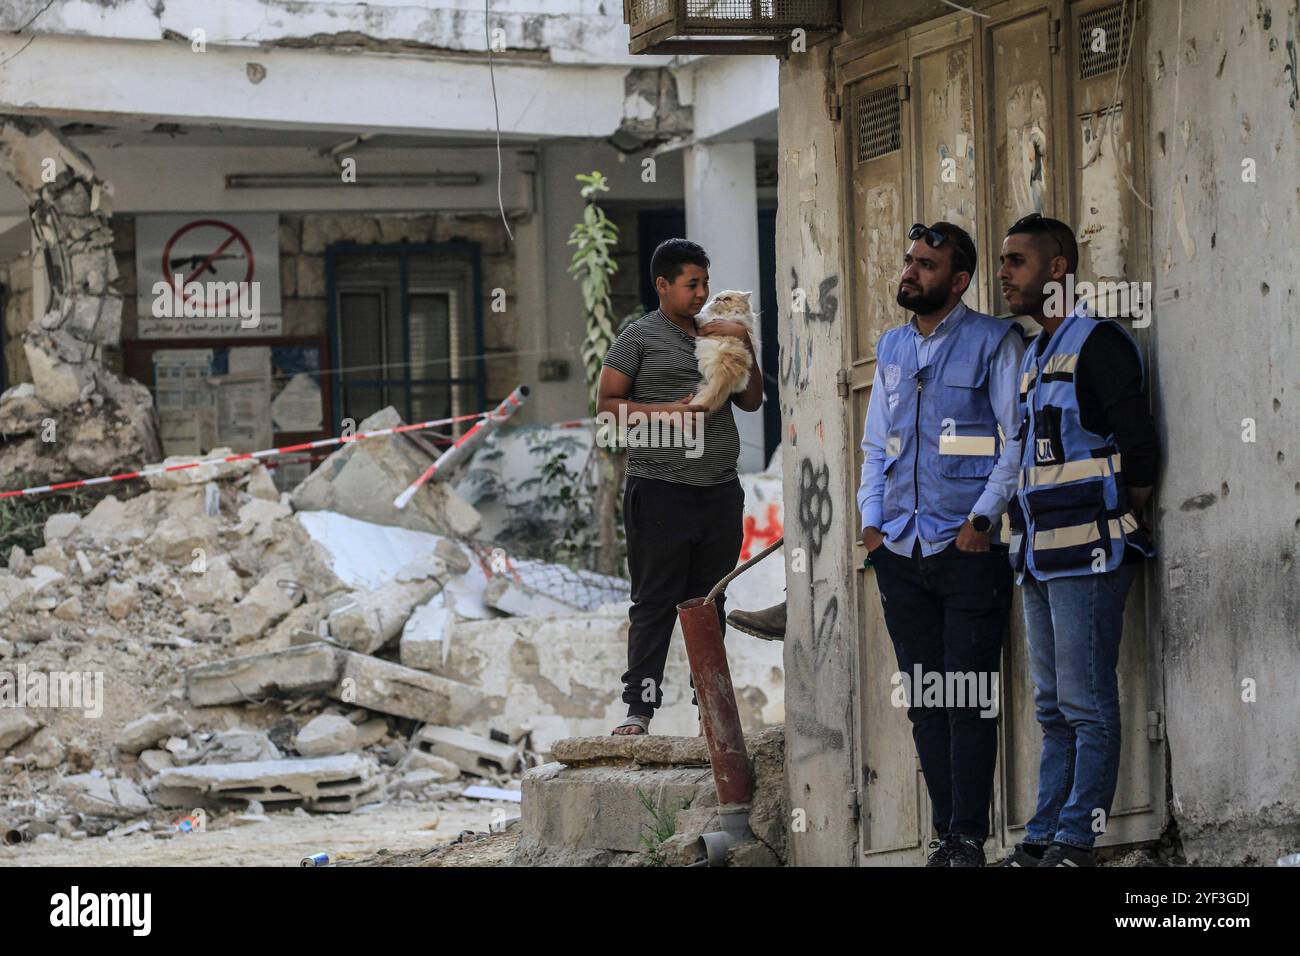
[{"x": 717, "y": 701}]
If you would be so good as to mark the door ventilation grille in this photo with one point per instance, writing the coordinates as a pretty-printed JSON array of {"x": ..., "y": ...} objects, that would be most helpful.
[
  {"x": 879, "y": 116},
  {"x": 1100, "y": 41}
]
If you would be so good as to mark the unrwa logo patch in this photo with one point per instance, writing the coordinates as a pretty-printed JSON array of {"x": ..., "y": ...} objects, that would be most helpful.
[{"x": 892, "y": 375}]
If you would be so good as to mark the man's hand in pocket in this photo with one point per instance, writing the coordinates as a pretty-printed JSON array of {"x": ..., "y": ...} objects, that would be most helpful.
[{"x": 872, "y": 538}]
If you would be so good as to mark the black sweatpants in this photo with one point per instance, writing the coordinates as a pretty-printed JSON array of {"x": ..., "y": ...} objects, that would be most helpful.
[{"x": 681, "y": 541}]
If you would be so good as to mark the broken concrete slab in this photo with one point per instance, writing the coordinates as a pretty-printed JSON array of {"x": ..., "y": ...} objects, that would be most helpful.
[
  {"x": 120, "y": 599},
  {"x": 300, "y": 669},
  {"x": 155, "y": 761},
  {"x": 100, "y": 796},
  {"x": 404, "y": 692},
  {"x": 473, "y": 754},
  {"x": 147, "y": 731},
  {"x": 362, "y": 479},
  {"x": 326, "y": 734},
  {"x": 336, "y": 784},
  {"x": 511, "y": 597}
]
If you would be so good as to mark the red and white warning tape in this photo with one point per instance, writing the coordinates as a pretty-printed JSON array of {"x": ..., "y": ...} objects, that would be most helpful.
[{"x": 265, "y": 453}]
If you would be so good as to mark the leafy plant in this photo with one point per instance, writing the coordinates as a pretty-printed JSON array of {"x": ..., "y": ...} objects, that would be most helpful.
[
  {"x": 663, "y": 826},
  {"x": 593, "y": 266},
  {"x": 22, "y": 518}
]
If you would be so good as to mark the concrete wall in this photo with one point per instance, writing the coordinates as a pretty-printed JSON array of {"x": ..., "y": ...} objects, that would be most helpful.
[
  {"x": 820, "y": 649},
  {"x": 1227, "y": 344}
]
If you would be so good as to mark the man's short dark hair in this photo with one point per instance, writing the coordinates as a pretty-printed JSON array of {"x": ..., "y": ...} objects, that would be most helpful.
[
  {"x": 963, "y": 246},
  {"x": 672, "y": 254},
  {"x": 1052, "y": 236}
]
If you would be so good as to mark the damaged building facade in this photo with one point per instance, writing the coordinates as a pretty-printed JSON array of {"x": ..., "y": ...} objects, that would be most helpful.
[
  {"x": 343, "y": 158},
  {"x": 1169, "y": 142}
]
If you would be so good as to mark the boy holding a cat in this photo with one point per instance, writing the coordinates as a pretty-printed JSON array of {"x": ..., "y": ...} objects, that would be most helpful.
[{"x": 682, "y": 511}]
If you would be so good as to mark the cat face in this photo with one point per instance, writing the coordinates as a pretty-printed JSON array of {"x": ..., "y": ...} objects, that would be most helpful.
[{"x": 730, "y": 306}]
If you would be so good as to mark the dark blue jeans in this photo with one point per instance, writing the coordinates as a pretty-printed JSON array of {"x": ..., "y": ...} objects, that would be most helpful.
[
  {"x": 946, "y": 614},
  {"x": 1073, "y": 626}
]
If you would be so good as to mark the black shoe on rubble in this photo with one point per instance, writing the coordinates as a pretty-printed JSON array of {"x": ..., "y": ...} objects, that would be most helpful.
[
  {"x": 1025, "y": 854},
  {"x": 1062, "y": 854},
  {"x": 943, "y": 850},
  {"x": 967, "y": 852}
]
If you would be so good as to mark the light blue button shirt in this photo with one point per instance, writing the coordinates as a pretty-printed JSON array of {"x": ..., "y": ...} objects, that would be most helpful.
[{"x": 1003, "y": 385}]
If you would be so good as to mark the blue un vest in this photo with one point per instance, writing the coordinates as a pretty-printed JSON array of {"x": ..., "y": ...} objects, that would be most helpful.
[
  {"x": 1070, "y": 515},
  {"x": 943, "y": 436}
]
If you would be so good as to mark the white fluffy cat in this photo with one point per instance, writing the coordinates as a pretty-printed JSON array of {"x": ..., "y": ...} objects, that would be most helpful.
[{"x": 724, "y": 362}]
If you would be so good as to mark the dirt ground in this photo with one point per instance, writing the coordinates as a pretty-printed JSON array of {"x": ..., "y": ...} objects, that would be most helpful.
[{"x": 387, "y": 835}]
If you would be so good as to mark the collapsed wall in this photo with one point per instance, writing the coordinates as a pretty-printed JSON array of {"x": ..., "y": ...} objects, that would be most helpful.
[{"x": 76, "y": 417}]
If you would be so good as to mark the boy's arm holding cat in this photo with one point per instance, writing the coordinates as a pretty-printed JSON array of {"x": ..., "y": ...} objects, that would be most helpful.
[
  {"x": 751, "y": 399},
  {"x": 615, "y": 387}
]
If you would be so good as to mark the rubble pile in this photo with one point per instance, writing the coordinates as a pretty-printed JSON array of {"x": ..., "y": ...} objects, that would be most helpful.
[{"x": 236, "y": 655}]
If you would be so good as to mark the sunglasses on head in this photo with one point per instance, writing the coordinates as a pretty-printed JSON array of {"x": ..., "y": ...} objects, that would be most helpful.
[{"x": 934, "y": 239}]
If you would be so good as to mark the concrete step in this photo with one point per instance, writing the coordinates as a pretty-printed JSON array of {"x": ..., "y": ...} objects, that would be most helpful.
[{"x": 589, "y": 806}]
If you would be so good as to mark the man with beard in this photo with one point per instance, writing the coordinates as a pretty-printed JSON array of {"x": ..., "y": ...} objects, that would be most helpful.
[{"x": 932, "y": 496}]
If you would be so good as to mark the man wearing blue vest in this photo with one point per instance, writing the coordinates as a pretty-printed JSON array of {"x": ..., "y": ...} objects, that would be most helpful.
[
  {"x": 1088, "y": 454},
  {"x": 933, "y": 492}
]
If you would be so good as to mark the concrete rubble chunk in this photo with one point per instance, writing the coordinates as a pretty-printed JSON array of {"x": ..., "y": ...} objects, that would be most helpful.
[
  {"x": 61, "y": 525},
  {"x": 16, "y": 726},
  {"x": 271, "y": 599},
  {"x": 426, "y": 636},
  {"x": 217, "y": 583},
  {"x": 371, "y": 731},
  {"x": 301, "y": 669},
  {"x": 176, "y": 540},
  {"x": 336, "y": 784},
  {"x": 203, "y": 473},
  {"x": 361, "y": 479},
  {"x": 149, "y": 730},
  {"x": 120, "y": 599},
  {"x": 260, "y": 484},
  {"x": 155, "y": 761},
  {"x": 104, "y": 797},
  {"x": 419, "y": 760},
  {"x": 370, "y": 619},
  {"x": 326, "y": 734},
  {"x": 237, "y": 746},
  {"x": 390, "y": 688},
  {"x": 473, "y": 754}
]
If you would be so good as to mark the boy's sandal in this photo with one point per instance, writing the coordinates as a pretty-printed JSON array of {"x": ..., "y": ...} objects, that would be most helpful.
[{"x": 633, "y": 721}]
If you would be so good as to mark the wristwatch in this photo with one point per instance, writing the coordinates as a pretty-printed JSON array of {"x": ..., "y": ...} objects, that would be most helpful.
[{"x": 979, "y": 522}]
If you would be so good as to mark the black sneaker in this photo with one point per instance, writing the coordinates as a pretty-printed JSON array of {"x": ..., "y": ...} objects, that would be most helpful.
[
  {"x": 1062, "y": 854},
  {"x": 1025, "y": 854},
  {"x": 943, "y": 850},
  {"x": 967, "y": 852}
]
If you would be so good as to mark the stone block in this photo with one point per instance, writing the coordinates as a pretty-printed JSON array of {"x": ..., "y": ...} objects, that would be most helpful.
[{"x": 147, "y": 731}]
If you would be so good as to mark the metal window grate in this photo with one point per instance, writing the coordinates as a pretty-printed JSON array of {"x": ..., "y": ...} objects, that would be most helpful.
[
  {"x": 1095, "y": 62},
  {"x": 736, "y": 16},
  {"x": 879, "y": 116}
]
